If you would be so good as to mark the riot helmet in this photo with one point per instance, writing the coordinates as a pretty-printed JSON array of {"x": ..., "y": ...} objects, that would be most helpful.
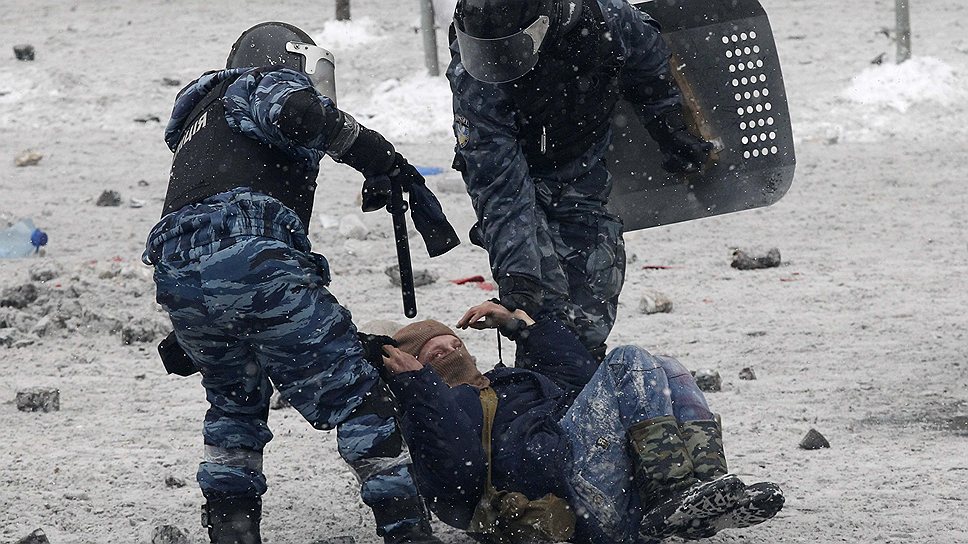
[
  {"x": 499, "y": 40},
  {"x": 281, "y": 44}
]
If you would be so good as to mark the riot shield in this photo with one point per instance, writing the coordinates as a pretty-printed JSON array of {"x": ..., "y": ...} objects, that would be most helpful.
[{"x": 726, "y": 63}]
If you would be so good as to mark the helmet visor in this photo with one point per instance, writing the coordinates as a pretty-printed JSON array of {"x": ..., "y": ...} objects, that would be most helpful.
[
  {"x": 319, "y": 64},
  {"x": 500, "y": 60}
]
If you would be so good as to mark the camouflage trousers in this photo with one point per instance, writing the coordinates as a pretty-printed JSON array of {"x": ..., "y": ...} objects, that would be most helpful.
[
  {"x": 583, "y": 253},
  {"x": 631, "y": 385},
  {"x": 252, "y": 313}
]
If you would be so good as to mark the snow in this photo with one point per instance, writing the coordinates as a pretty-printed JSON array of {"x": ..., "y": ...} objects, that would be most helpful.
[
  {"x": 861, "y": 333},
  {"x": 344, "y": 36},
  {"x": 921, "y": 80},
  {"x": 415, "y": 109}
]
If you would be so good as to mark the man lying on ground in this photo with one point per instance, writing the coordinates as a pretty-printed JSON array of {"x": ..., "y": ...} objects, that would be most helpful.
[{"x": 636, "y": 454}]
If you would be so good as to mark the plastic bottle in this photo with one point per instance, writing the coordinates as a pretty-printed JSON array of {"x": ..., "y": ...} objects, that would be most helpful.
[{"x": 23, "y": 239}]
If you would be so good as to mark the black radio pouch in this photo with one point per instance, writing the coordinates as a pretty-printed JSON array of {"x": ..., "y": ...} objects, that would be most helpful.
[{"x": 174, "y": 358}]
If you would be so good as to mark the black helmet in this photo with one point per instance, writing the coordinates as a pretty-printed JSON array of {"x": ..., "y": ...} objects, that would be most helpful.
[
  {"x": 281, "y": 44},
  {"x": 499, "y": 40}
]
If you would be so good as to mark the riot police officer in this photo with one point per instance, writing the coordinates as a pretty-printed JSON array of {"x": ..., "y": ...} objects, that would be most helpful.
[
  {"x": 535, "y": 83},
  {"x": 247, "y": 297}
]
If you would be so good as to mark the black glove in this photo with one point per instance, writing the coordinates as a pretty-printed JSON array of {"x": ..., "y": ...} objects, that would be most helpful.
[
  {"x": 683, "y": 152},
  {"x": 373, "y": 350},
  {"x": 174, "y": 358},
  {"x": 376, "y": 189},
  {"x": 520, "y": 292}
]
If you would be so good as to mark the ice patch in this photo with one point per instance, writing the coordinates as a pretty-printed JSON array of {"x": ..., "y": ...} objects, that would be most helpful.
[
  {"x": 337, "y": 35},
  {"x": 416, "y": 109},
  {"x": 900, "y": 86},
  {"x": 14, "y": 87}
]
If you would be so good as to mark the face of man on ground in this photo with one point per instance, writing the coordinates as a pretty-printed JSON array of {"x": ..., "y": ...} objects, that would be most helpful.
[{"x": 438, "y": 347}]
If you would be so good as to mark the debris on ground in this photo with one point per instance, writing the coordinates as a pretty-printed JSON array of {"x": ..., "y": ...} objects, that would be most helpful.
[
  {"x": 708, "y": 380},
  {"x": 38, "y": 399},
  {"x": 168, "y": 534},
  {"x": 352, "y": 226},
  {"x": 36, "y": 537},
  {"x": 24, "y": 52},
  {"x": 653, "y": 302},
  {"x": 420, "y": 277},
  {"x": 18, "y": 297},
  {"x": 108, "y": 199},
  {"x": 174, "y": 481},
  {"x": 813, "y": 440},
  {"x": 747, "y": 373},
  {"x": 27, "y": 158},
  {"x": 753, "y": 260}
]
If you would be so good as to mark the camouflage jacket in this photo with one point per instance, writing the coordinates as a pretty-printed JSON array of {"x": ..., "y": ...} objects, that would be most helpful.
[{"x": 488, "y": 127}]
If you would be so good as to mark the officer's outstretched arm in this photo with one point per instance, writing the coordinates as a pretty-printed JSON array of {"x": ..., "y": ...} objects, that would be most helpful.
[{"x": 306, "y": 121}]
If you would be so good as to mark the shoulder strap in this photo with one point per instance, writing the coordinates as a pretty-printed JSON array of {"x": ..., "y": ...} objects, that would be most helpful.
[{"x": 489, "y": 407}]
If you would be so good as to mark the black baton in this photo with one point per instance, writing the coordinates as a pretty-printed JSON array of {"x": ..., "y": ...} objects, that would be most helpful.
[{"x": 397, "y": 209}]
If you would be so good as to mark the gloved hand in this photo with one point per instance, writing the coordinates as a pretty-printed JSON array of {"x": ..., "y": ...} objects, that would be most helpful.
[
  {"x": 520, "y": 292},
  {"x": 373, "y": 350},
  {"x": 376, "y": 189},
  {"x": 684, "y": 153}
]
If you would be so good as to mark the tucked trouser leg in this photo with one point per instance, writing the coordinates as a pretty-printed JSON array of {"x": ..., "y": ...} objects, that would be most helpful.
[{"x": 371, "y": 442}]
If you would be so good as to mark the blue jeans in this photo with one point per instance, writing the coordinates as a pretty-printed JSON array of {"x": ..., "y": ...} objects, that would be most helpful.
[{"x": 631, "y": 385}]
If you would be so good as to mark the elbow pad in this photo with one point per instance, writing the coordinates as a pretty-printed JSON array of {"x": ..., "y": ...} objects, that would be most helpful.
[{"x": 303, "y": 119}]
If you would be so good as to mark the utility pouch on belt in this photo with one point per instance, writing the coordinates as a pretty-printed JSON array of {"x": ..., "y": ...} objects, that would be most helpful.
[
  {"x": 506, "y": 517},
  {"x": 174, "y": 358}
]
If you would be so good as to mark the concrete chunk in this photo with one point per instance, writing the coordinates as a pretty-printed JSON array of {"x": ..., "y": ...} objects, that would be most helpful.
[
  {"x": 709, "y": 380},
  {"x": 168, "y": 534},
  {"x": 813, "y": 440},
  {"x": 753, "y": 260},
  {"x": 38, "y": 399},
  {"x": 36, "y": 537}
]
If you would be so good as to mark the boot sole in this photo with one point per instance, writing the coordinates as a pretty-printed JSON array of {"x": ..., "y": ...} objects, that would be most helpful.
[
  {"x": 761, "y": 505},
  {"x": 699, "y": 505},
  {"x": 762, "y": 502}
]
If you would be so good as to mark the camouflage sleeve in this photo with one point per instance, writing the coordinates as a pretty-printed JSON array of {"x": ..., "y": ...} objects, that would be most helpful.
[
  {"x": 645, "y": 79},
  {"x": 254, "y": 105},
  {"x": 496, "y": 174}
]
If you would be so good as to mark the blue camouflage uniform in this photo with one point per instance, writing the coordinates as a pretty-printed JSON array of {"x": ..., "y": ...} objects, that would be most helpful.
[
  {"x": 250, "y": 306},
  {"x": 532, "y": 153}
]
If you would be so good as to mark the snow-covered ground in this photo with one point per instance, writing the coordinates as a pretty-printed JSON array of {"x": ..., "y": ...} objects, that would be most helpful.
[{"x": 861, "y": 333}]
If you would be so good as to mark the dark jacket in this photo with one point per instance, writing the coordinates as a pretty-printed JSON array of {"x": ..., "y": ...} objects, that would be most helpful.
[
  {"x": 496, "y": 150},
  {"x": 442, "y": 425}
]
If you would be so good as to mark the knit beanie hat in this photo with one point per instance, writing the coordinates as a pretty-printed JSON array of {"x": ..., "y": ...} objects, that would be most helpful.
[{"x": 456, "y": 368}]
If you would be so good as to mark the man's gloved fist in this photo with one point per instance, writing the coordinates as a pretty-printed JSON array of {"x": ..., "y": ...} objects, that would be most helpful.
[
  {"x": 404, "y": 173},
  {"x": 376, "y": 189},
  {"x": 520, "y": 292},
  {"x": 373, "y": 350},
  {"x": 684, "y": 152}
]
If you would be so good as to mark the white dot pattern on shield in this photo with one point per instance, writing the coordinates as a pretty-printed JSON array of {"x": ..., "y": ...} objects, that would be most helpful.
[{"x": 751, "y": 93}]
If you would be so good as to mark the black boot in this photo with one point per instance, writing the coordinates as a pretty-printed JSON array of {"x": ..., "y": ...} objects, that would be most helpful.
[
  {"x": 415, "y": 534},
  {"x": 233, "y": 521}
]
